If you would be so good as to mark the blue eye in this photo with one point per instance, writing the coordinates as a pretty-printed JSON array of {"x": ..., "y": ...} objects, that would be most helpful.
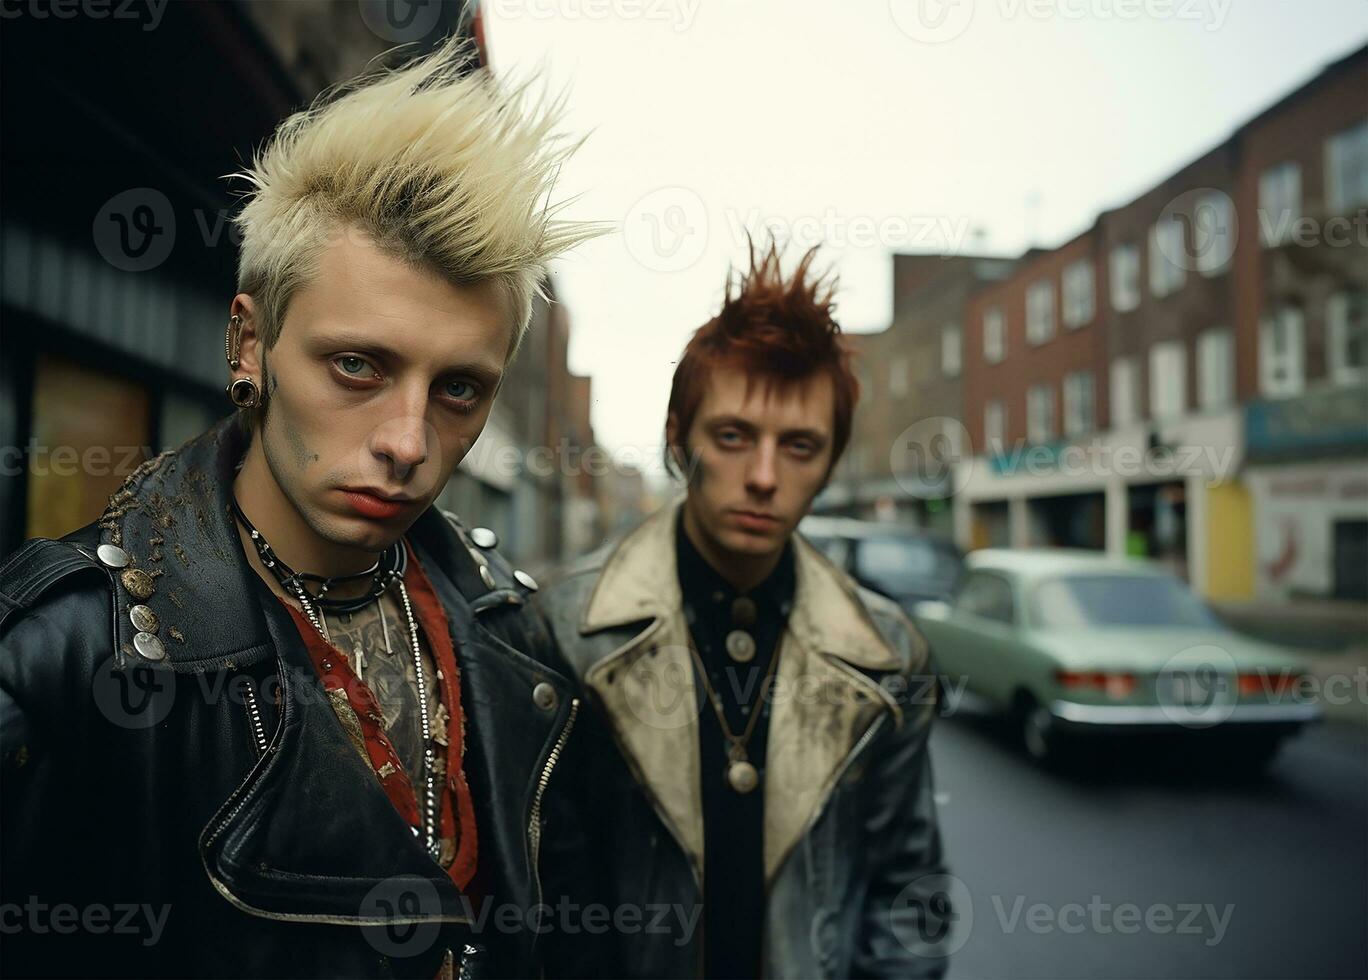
[
  {"x": 351, "y": 365},
  {"x": 462, "y": 391}
]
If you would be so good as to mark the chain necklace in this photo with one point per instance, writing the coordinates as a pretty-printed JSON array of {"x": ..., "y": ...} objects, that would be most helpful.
[
  {"x": 387, "y": 568},
  {"x": 314, "y": 607},
  {"x": 742, "y": 775}
]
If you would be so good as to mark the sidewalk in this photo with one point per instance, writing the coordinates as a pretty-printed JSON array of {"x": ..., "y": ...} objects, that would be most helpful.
[{"x": 1332, "y": 637}]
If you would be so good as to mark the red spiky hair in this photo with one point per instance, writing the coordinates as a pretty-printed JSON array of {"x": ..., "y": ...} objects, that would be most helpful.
[{"x": 779, "y": 330}]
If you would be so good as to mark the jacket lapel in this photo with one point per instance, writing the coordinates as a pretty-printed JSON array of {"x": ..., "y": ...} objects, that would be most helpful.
[
  {"x": 646, "y": 685},
  {"x": 823, "y": 701}
]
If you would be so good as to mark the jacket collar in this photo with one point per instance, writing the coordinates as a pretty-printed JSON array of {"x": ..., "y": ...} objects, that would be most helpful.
[
  {"x": 639, "y": 582},
  {"x": 824, "y": 702}
]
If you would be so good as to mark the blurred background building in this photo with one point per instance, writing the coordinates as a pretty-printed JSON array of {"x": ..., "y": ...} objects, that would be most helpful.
[
  {"x": 119, "y": 261},
  {"x": 1185, "y": 380}
]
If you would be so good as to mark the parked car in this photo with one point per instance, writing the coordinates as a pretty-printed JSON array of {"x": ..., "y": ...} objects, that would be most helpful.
[
  {"x": 908, "y": 565},
  {"x": 1073, "y": 643}
]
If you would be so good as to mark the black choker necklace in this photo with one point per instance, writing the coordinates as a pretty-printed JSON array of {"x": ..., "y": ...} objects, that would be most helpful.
[{"x": 387, "y": 568}]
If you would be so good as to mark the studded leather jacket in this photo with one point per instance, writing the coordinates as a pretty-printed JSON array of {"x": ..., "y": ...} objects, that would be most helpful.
[
  {"x": 854, "y": 880},
  {"x": 179, "y": 798}
]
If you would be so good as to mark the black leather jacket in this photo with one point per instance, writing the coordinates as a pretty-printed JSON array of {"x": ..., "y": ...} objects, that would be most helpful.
[
  {"x": 205, "y": 814},
  {"x": 855, "y": 883}
]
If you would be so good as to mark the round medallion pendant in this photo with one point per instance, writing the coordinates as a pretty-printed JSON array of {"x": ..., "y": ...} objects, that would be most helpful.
[
  {"x": 740, "y": 646},
  {"x": 742, "y": 776}
]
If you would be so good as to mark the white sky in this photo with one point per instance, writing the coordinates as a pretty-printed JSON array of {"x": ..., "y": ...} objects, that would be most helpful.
[{"x": 877, "y": 125}]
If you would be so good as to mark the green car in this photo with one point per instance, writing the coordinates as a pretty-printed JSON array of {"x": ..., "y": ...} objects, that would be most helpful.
[{"x": 1073, "y": 643}]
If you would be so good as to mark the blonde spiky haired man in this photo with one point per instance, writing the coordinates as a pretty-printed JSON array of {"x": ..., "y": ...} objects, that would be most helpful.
[{"x": 300, "y": 708}]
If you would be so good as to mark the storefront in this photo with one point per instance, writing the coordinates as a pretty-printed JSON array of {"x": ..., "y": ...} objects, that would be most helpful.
[{"x": 1307, "y": 475}]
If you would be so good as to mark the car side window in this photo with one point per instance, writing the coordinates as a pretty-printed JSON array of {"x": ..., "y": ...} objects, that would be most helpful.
[{"x": 987, "y": 596}]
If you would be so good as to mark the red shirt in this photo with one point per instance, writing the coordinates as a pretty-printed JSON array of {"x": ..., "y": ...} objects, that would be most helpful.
[{"x": 457, "y": 816}]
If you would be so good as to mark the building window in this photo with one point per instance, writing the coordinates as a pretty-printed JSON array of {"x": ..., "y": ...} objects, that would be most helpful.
[
  {"x": 994, "y": 335},
  {"x": 1215, "y": 368},
  {"x": 1346, "y": 322},
  {"x": 1125, "y": 278},
  {"x": 1282, "y": 367},
  {"x": 951, "y": 351},
  {"x": 1346, "y": 170},
  {"x": 1168, "y": 380},
  {"x": 1124, "y": 388},
  {"x": 994, "y": 425},
  {"x": 1279, "y": 202},
  {"x": 897, "y": 377},
  {"x": 1078, "y": 293},
  {"x": 1166, "y": 255},
  {"x": 1040, "y": 423},
  {"x": 1078, "y": 403},
  {"x": 1213, "y": 233},
  {"x": 1040, "y": 313}
]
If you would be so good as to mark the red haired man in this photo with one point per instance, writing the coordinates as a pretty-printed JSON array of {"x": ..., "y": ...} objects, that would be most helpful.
[{"x": 764, "y": 789}]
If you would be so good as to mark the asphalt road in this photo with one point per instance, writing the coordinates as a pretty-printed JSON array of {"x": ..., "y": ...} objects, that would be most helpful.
[{"x": 1156, "y": 864}]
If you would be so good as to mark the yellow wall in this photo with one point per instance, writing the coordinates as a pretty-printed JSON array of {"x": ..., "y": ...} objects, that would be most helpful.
[{"x": 1230, "y": 542}]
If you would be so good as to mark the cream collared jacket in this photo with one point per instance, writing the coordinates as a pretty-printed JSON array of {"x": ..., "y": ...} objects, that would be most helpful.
[{"x": 852, "y": 847}]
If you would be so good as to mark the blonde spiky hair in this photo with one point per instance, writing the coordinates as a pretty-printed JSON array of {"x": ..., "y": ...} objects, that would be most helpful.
[{"x": 441, "y": 165}]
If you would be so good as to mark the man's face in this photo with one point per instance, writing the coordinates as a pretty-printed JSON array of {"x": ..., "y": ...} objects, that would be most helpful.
[
  {"x": 382, "y": 377},
  {"x": 756, "y": 458}
]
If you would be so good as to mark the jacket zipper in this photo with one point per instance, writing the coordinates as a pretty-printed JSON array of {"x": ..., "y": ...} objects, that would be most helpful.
[
  {"x": 534, "y": 822},
  {"x": 254, "y": 718}
]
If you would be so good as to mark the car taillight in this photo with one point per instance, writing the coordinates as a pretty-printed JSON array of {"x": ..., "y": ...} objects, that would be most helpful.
[
  {"x": 1268, "y": 683},
  {"x": 1112, "y": 685}
]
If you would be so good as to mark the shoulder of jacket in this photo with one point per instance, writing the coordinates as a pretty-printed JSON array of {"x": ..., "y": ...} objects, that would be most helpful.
[
  {"x": 506, "y": 584},
  {"x": 38, "y": 567}
]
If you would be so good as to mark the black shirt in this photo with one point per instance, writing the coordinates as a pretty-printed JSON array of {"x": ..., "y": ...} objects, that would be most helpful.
[{"x": 733, "y": 822}]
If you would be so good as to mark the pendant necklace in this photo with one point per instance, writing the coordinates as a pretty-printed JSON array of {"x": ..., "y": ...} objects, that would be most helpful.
[{"x": 388, "y": 570}]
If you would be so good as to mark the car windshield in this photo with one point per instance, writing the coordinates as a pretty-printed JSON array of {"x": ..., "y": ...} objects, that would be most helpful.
[
  {"x": 907, "y": 566},
  {"x": 1118, "y": 600}
]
